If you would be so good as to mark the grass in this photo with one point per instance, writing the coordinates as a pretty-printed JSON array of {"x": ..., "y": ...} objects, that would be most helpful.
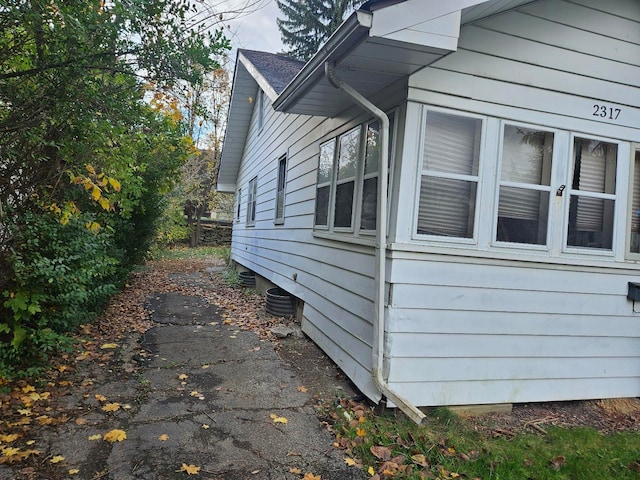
[
  {"x": 184, "y": 252},
  {"x": 446, "y": 447}
]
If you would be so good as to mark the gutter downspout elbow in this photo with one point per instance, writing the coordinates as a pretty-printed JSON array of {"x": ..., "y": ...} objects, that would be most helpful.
[{"x": 381, "y": 247}]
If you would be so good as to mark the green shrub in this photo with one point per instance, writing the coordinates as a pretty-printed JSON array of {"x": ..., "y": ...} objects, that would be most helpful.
[{"x": 62, "y": 275}]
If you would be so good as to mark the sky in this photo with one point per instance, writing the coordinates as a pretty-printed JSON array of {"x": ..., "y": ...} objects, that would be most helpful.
[{"x": 257, "y": 29}]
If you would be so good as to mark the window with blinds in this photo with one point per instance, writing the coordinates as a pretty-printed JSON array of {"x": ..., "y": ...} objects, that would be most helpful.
[
  {"x": 525, "y": 185},
  {"x": 251, "y": 201},
  {"x": 592, "y": 194},
  {"x": 634, "y": 211},
  {"x": 449, "y": 180}
]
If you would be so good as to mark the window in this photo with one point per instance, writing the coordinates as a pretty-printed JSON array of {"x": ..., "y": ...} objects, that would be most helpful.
[
  {"x": 348, "y": 153},
  {"x": 634, "y": 211},
  {"x": 280, "y": 189},
  {"x": 238, "y": 204},
  {"x": 347, "y": 187},
  {"x": 260, "y": 107},
  {"x": 449, "y": 179},
  {"x": 592, "y": 194},
  {"x": 525, "y": 185},
  {"x": 251, "y": 201}
]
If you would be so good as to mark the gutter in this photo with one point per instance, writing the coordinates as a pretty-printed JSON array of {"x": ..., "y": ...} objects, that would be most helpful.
[{"x": 381, "y": 247}]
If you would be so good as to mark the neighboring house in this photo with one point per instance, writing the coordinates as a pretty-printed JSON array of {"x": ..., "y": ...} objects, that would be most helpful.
[{"x": 500, "y": 267}]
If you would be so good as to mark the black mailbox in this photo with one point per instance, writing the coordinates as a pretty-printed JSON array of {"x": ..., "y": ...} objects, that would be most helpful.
[{"x": 634, "y": 291}]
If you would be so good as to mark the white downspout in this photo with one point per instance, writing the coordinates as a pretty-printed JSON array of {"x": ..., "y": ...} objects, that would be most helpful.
[{"x": 381, "y": 248}]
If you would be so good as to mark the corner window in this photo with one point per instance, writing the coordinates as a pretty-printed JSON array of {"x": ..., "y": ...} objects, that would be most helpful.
[
  {"x": 525, "y": 186},
  {"x": 251, "y": 201},
  {"x": 238, "y": 204},
  {"x": 347, "y": 187},
  {"x": 449, "y": 177},
  {"x": 633, "y": 238},
  {"x": 592, "y": 194},
  {"x": 280, "y": 189}
]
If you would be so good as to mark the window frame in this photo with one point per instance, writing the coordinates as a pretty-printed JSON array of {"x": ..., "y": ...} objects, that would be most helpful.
[
  {"x": 533, "y": 187},
  {"x": 633, "y": 178},
  {"x": 420, "y": 173},
  {"x": 252, "y": 201},
  {"x": 568, "y": 191},
  {"x": 238, "y": 204},
  {"x": 281, "y": 189}
]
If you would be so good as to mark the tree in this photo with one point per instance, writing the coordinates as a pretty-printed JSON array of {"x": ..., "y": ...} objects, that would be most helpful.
[
  {"x": 85, "y": 162},
  {"x": 306, "y": 25}
]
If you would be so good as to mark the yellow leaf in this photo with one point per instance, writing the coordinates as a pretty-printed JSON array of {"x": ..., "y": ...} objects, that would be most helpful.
[
  {"x": 183, "y": 376},
  {"x": 195, "y": 394},
  {"x": 9, "y": 438},
  {"x": 96, "y": 193},
  {"x": 205, "y": 426},
  {"x": 164, "y": 437},
  {"x": 74, "y": 471},
  {"x": 350, "y": 461},
  {"x": 302, "y": 389},
  {"x": 371, "y": 471},
  {"x": 57, "y": 459},
  {"x": 30, "y": 442},
  {"x": 101, "y": 398},
  {"x": 95, "y": 437},
  {"x": 361, "y": 432},
  {"x": 115, "y": 436},
  {"x": 115, "y": 184},
  {"x": 28, "y": 389},
  {"x": 311, "y": 476},
  {"x": 90, "y": 169},
  {"x": 420, "y": 459},
  {"x": 107, "y": 346},
  {"x": 190, "y": 469},
  {"x": 277, "y": 419},
  {"x": 104, "y": 203},
  {"x": 111, "y": 407},
  {"x": 295, "y": 471},
  {"x": 24, "y": 411}
]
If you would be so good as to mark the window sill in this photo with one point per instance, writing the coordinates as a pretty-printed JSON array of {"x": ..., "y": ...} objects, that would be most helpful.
[{"x": 345, "y": 238}]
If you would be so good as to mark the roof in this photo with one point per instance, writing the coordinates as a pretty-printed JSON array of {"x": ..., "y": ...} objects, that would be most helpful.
[{"x": 378, "y": 45}]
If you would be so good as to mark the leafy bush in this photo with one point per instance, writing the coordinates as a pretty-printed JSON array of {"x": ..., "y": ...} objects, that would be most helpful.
[{"x": 62, "y": 276}]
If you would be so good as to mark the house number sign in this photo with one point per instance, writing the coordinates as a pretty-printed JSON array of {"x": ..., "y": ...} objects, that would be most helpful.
[{"x": 606, "y": 111}]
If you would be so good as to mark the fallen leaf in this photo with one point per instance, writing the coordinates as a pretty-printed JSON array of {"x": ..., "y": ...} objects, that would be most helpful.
[
  {"x": 164, "y": 437},
  {"x": 302, "y": 389},
  {"x": 73, "y": 471},
  {"x": 277, "y": 419},
  {"x": 205, "y": 426},
  {"x": 382, "y": 453},
  {"x": 183, "y": 376},
  {"x": 107, "y": 346},
  {"x": 350, "y": 461},
  {"x": 115, "y": 436},
  {"x": 371, "y": 471},
  {"x": 311, "y": 476},
  {"x": 57, "y": 459},
  {"x": 95, "y": 437},
  {"x": 81, "y": 421},
  {"x": 295, "y": 471},
  {"x": 420, "y": 459},
  {"x": 100, "y": 398},
  {"x": 111, "y": 407},
  {"x": 9, "y": 438},
  {"x": 360, "y": 432},
  {"x": 205, "y": 366},
  {"x": 190, "y": 469},
  {"x": 558, "y": 462}
]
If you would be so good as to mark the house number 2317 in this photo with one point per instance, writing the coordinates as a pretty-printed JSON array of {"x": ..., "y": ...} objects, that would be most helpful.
[{"x": 603, "y": 111}]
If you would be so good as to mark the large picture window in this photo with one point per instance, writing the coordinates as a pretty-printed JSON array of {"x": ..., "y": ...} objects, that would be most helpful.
[
  {"x": 525, "y": 185},
  {"x": 449, "y": 181}
]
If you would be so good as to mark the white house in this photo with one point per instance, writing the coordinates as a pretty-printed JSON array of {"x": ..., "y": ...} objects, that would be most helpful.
[{"x": 452, "y": 190}]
